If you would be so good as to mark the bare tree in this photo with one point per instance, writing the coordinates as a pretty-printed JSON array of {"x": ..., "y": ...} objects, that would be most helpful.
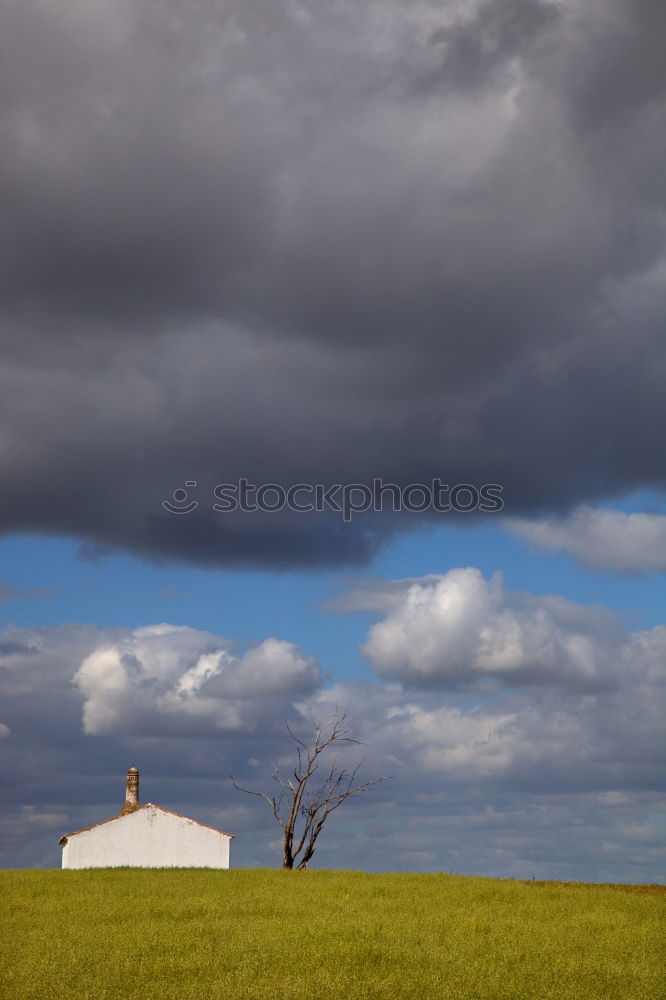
[{"x": 307, "y": 798}]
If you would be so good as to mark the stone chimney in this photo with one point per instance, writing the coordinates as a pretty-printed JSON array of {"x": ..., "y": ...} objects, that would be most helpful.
[{"x": 131, "y": 792}]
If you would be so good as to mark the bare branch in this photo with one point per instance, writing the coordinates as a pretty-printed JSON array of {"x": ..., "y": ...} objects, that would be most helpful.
[{"x": 273, "y": 802}]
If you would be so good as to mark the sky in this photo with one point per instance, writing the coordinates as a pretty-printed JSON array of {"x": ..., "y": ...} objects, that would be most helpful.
[{"x": 324, "y": 246}]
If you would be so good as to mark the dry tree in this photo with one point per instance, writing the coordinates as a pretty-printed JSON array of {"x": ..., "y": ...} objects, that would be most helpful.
[{"x": 314, "y": 789}]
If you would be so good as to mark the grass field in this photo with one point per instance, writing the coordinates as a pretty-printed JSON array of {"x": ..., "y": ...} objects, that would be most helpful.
[{"x": 249, "y": 934}]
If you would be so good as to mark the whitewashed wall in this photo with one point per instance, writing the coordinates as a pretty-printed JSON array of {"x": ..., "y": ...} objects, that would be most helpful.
[{"x": 147, "y": 838}]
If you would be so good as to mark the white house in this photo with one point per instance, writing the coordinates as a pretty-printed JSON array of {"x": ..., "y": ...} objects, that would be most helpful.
[{"x": 146, "y": 837}]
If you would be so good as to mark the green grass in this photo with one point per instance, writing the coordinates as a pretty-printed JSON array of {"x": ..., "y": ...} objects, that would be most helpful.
[{"x": 190, "y": 934}]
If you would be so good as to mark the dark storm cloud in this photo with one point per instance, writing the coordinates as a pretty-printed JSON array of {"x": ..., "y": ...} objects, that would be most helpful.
[
  {"x": 624, "y": 69},
  {"x": 305, "y": 243},
  {"x": 474, "y": 51}
]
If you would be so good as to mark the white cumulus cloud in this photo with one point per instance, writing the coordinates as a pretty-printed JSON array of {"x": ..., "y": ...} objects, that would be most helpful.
[
  {"x": 459, "y": 629},
  {"x": 601, "y": 538},
  {"x": 176, "y": 673}
]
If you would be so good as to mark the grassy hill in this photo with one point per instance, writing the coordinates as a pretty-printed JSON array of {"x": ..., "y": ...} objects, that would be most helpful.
[{"x": 248, "y": 934}]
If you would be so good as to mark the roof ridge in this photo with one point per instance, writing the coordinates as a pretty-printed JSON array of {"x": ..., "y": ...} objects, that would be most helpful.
[{"x": 63, "y": 840}]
